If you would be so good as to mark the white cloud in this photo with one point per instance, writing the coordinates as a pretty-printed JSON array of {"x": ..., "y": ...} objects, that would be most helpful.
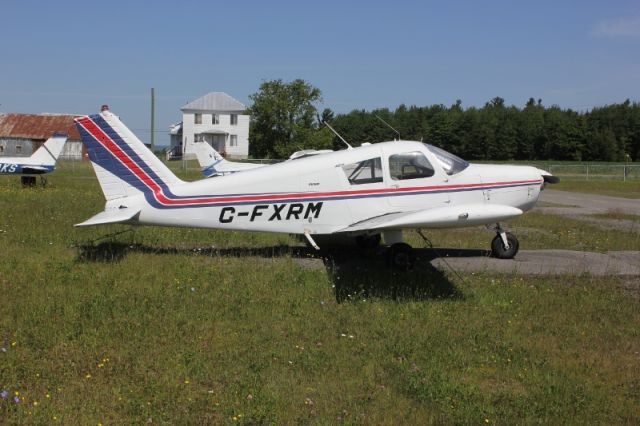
[{"x": 621, "y": 27}]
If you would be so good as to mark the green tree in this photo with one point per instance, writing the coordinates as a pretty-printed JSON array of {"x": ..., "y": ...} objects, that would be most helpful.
[{"x": 284, "y": 119}]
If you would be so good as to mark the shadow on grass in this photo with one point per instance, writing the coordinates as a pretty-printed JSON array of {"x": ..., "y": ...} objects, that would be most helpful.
[
  {"x": 355, "y": 274},
  {"x": 358, "y": 275}
]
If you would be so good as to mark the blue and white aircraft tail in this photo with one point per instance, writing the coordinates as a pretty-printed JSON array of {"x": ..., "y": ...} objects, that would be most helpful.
[
  {"x": 213, "y": 164},
  {"x": 42, "y": 161}
]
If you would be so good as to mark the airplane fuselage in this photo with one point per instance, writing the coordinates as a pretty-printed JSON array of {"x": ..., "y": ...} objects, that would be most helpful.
[
  {"x": 320, "y": 194},
  {"x": 20, "y": 168}
]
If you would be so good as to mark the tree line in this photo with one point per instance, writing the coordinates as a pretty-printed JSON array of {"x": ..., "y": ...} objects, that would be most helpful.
[{"x": 284, "y": 120}]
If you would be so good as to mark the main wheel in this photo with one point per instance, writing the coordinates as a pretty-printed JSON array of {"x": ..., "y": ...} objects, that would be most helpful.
[
  {"x": 498, "y": 249},
  {"x": 401, "y": 256},
  {"x": 367, "y": 242}
]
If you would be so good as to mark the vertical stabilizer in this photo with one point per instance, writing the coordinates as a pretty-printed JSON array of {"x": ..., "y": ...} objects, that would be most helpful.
[
  {"x": 48, "y": 153},
  {"x": 123, "y": 164}
]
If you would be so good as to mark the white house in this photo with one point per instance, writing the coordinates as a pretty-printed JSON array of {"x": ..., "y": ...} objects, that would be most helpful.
[{"x": 217, "y": 119}]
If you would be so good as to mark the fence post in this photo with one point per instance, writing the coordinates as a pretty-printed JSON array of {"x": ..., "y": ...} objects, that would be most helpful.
[{"x": 587, "y": 171}]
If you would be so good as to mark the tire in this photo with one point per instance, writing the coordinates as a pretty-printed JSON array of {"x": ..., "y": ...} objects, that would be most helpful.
[
  {"x": 401, "y": 256},
  {"x": 498, "y": 250},
  {"x": 368, "y": 242}
]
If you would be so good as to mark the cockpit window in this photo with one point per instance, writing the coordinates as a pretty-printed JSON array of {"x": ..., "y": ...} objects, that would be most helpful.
[
  {"x": 367, "y": 171},
  {"x": 450, "y": 163},
  {"x": 409, "y": 165}
]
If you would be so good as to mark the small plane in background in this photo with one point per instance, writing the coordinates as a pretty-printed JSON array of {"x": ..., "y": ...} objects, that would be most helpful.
[
  {"x": 370, "y": 193},
  {"x": 212, "y": 163},
  {"x": 43, "y": 160}
]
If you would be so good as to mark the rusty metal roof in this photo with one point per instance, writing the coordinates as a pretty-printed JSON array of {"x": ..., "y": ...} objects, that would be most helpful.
[{"x": 37, "y": 126}]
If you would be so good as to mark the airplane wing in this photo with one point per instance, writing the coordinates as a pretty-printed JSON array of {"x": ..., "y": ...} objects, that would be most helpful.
[
  {"x": 439, "y": 217},
  {"x": 111, "y": 216}
]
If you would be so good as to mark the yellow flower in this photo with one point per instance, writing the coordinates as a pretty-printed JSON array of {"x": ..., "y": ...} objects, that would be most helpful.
[
  {"x": 88, "y": 376},
  {"x": 186, "y": 382}
]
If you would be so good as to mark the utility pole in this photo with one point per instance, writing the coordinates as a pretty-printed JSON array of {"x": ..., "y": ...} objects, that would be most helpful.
[{"x": 153, "y": 118}]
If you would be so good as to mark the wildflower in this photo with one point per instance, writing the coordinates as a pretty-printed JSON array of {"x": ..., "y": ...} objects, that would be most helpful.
[
  {"x": 88, "y": 376},
  {"x": 4, "y": 394},
  {"x": 35, "y": 403},
  {"x": 16, "y": 399},
  {"x": 186, "y": 382},
  {"x": 3, "y": 349}
]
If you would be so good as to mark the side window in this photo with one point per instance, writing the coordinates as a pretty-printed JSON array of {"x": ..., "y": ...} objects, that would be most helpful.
[
  {"x": 197, "y": 118},
  {"x": 367, "y": 171},
  {"x": 410, "y": 165}
]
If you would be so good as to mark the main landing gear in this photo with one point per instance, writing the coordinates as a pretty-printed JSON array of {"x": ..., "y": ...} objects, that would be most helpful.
[
  {"x": 505, "y": 245},
  {"x": 401, "y": 255}
]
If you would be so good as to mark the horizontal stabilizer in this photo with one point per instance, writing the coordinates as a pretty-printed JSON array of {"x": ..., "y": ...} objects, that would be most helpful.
[
  {"x": 439, "y": 217},
  {"x": 111, "y": 216}
]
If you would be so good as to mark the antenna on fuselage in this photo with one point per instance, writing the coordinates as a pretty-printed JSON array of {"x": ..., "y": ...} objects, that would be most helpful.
[
  {"x": 388, "y": 125},
  {"x": 338, "y": 135}
]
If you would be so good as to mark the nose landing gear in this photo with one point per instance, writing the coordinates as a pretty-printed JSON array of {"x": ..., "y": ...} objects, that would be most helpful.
[{"x": 505, "y": 245}]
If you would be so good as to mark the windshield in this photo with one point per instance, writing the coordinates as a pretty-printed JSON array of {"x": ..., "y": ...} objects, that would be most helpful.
[{"x": 450, "y": 163}]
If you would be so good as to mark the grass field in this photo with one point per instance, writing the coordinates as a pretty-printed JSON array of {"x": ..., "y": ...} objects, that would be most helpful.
[{"x": 190, "y": 326}]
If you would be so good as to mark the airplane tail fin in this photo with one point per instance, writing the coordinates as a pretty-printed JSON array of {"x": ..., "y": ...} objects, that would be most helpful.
[
  {"x": 48, "y": 153},
  {"x": 123, "y": 164},
  {"x": 208, "y": 158}
]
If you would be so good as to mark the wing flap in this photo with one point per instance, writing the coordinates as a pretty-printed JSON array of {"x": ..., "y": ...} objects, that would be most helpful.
[
  {"x": 111, "y": 216},
  {"x": 439, "y": 217}
]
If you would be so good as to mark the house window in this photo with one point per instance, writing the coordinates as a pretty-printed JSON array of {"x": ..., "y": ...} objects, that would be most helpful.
[
  {"x": 367, "y": 171},
  {"x": 198, "y": 137},
  {"x": 215, "y": 119},
  {"x": 1, "y": 149},
  {"x": 198, "y": 119},
  {"x": 409, "y": 165},
  {"x": 18, "y": 149},
  {"x": 233, "y": 140},
  {"x": 234, "y": 119}
]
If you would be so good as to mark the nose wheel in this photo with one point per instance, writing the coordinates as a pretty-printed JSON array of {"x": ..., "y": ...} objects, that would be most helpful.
[{"x": 505, "y": 245}]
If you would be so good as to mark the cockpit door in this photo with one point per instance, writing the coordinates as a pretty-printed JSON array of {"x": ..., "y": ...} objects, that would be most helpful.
[{"x": 414, "y": 181}]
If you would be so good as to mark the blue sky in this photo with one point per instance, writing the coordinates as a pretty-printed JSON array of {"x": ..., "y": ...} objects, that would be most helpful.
[{"x": 71, "y": 57}]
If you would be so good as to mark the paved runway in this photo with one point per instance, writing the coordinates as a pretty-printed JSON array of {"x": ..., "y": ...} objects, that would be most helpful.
[
  {"x": 548, "y": 262},
  {"x": 585, "y": 204}
]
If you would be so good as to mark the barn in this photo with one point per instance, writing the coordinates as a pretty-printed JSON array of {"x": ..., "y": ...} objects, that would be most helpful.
[{"x": 22, "y": 134}]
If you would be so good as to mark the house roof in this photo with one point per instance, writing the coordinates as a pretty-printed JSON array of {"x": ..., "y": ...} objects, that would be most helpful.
[
  {"x": 215, "y": 101},
  {"x": 37, "y": 126}
]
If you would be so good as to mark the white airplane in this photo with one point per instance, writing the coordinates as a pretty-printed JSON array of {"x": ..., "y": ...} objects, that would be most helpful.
[
  {"x": 364, "y": 192},
  {"x": 40, "y": 162},
  {"x": 213, "y": 164}
]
